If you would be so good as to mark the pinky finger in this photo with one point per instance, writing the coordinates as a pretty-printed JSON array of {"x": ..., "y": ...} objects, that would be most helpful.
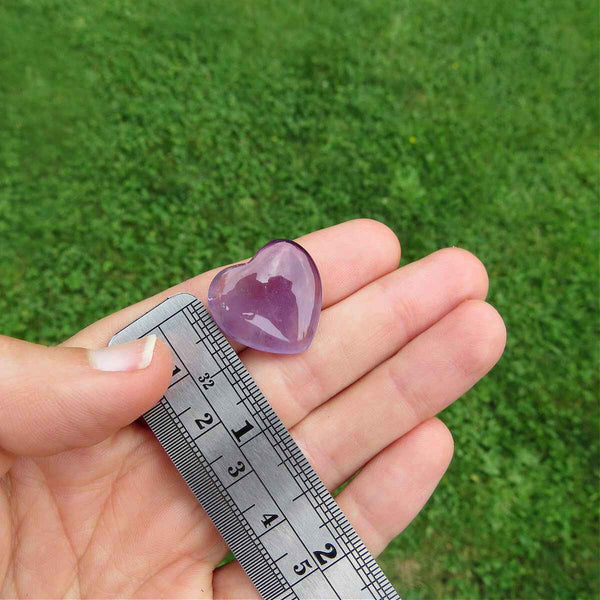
[
  {"x": 381, "y": 500},
  {"x": 394, "y": 486}
]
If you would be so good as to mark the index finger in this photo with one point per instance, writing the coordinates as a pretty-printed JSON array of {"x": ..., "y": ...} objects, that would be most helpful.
[{"x": 348, "y": 256}]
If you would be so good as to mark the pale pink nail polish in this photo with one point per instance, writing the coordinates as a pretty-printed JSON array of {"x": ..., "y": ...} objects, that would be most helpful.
[{"x": 130, "y": 356}]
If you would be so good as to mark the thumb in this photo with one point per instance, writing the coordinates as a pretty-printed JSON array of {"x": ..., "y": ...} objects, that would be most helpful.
[{"x": 55, "y": 399}]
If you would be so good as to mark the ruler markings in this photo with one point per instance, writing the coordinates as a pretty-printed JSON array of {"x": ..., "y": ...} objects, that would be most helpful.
[
  {"x": 189, "y": 317},
  {"x": 176, "y": 382},
  {"x": 261, "y": 432},
  {"x": 216, "y": 504},
  {"x": 255, "y": 473},
  {"x": 238, "y": 365},
  {"x": 298, "y": 472},
  {"x": 312, "y": 479},
  {"x": 303, "y": 578},
  {"x": 337, "y": 560},
  {"x": 282, "y": 520},
  {"x": 237, "y": 480},
  {"x": 206, "y": 430},
  {"x": 206, "y": 484}
]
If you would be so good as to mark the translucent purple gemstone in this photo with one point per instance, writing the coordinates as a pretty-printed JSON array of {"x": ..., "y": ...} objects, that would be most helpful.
[{"x": 271, "y": 303}]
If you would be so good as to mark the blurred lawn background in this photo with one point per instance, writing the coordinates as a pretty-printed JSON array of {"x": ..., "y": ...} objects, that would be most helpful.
[{"x": 143, "y": 141}]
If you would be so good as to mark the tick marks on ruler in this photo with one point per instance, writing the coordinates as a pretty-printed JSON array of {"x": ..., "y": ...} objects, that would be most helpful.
[
  {"x": 259, "y": 432},
  {"x": 237, "y": 480},
  {"x": 219, "y": 414},
  {"x": 335, "y": 562},
  {"x": 271, "y": 527}
]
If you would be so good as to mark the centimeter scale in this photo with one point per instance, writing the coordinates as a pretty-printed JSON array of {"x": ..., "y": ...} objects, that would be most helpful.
[{"x": 239, "y": 460}]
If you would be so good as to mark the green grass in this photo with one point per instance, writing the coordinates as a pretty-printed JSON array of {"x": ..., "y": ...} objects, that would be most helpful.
[{"x": 144, "y": 141}]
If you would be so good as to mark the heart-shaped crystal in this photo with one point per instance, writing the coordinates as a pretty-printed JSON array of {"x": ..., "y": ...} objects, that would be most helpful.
[{"x": 271, "y": 303}]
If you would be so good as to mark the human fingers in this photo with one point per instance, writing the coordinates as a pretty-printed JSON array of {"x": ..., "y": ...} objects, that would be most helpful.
[
  {"x": 422, "y": 379},
  {"x": 368, "y": 418},
  {"x": 348, "y": 256},
  {"x": 54, "y": 399},
  {"x": 392, "y": 488},
  {"x": 366, "y": 328},
  {"x": 380, "y": 501}
]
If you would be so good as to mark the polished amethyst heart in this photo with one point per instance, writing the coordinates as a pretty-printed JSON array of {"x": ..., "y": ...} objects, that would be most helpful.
[{"x": 271, "y": 303}]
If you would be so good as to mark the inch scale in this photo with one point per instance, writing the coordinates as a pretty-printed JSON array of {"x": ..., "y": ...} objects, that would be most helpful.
[{"x": 239, "y": 460}]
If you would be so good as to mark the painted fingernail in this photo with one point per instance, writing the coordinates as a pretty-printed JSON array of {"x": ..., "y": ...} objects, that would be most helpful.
[{"x": 130, "y": 356}]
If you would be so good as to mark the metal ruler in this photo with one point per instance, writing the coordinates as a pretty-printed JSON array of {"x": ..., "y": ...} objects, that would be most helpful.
[{"x": 278, "y": 518}]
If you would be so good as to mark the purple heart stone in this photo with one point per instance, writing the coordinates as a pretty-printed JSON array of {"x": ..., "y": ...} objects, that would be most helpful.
[{"x": 271, "y": 303}]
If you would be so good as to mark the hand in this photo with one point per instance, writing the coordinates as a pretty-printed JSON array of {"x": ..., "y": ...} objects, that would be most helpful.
[{"x": 90, "y": 505}]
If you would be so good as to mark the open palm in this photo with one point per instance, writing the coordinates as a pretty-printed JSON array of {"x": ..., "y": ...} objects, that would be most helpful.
[{"x": 92, "y": 507}]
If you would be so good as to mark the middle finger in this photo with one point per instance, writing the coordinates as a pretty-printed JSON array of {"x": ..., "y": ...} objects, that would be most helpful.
[{"x": 363, "y": 330}]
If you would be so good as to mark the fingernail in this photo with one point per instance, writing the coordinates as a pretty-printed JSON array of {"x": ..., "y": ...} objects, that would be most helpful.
[{"x": 130, "y": 356}]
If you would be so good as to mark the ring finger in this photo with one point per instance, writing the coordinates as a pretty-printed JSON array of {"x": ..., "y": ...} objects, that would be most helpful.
[{"x": 422, "y": 379}]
